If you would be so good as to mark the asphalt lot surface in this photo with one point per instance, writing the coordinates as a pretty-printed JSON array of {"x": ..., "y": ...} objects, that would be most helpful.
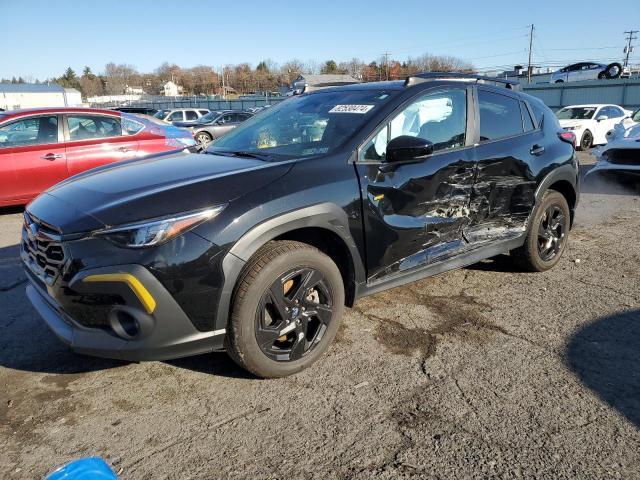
[{"x": 483, "y": 372}]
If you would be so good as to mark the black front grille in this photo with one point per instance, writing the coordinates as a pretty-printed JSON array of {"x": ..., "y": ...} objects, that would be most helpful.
[
  {"x": 42, "y": 250},
  {"x": 622, "y": 156}
]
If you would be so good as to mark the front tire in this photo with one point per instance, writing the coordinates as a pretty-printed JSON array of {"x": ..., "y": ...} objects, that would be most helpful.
[
  {"x": 547, "y": 234},
  {"x": 586, "y": 142},
  {"x": 287, "y": 308}
]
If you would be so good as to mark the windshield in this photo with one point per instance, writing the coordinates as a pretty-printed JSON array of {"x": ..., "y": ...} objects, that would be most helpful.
[
  {"x": 209, "y": 117},
  {"x": 576, "y": 113},
  {"x": 304, "y": 126},
  {"x": 636, "y": 116},
  {"x": 161, "y": 114}
]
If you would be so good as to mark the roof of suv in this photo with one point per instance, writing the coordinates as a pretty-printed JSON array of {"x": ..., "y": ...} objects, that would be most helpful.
[{"x": 433, "y": 78}]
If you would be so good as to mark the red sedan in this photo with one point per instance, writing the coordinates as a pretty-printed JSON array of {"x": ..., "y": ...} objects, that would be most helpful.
[{"x": 41, "y": 147}]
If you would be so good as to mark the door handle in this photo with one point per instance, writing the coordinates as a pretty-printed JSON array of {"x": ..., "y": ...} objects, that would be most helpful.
[
  {"x": 124, "y": 149},
  {"x": 537, "y": 150},
  {"x": 51, "y": 156}
]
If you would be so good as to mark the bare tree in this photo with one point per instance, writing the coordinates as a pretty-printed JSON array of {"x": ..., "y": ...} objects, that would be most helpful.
[{"x": 118, "y": 76}]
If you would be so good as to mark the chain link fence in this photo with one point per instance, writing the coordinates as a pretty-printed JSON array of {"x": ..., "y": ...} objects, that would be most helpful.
[{"x": 160, "y": 102}]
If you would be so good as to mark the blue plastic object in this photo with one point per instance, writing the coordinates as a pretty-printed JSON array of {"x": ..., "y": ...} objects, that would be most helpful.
[{"x": 85, "y": 469}]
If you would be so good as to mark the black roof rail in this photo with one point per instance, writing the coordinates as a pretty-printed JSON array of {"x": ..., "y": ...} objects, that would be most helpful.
[{"x": 417, "y": 78}]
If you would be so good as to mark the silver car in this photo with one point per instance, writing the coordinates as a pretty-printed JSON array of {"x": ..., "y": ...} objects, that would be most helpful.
[{"x": 215, "y": 124}]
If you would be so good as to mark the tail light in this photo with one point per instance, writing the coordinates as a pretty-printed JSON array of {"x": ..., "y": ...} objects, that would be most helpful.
[{"x": 568, "y": 137}]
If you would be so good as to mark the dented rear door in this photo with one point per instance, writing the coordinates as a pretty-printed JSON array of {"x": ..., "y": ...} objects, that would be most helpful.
[
  {"x": 507, "y": 148},
  {"x": 416, "y": 213}
]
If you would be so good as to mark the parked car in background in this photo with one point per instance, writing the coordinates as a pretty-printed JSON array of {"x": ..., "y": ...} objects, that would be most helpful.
[
  {"x": 620, "y": 157},
  {"x": 587, "y": 71},
  {"x": 139, "y": 110},
  {"x": 620, "y": 129},
  {"x": 173, "y": 115},
  {"x": 41, "y": 147},
  {"x": 215, "y": 124},
  {"x": 256, "y": 245},
  {"x": 590, "y": 123}
]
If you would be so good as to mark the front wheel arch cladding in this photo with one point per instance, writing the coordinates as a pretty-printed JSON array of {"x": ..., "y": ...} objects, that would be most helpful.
[{"x": 328, "y": 216}]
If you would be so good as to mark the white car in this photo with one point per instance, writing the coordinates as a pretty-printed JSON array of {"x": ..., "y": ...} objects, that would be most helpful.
[
  {"x": 589, "y": 71},
  {"x": 172, "y": 115},
  {"x": 621, "y": 129},
  {"x": 621, "y": 155},
  {"x": 590, "y": 123}
]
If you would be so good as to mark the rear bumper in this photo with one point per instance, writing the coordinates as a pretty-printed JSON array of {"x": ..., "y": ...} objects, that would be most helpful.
[{"x": 161, "y": 334}]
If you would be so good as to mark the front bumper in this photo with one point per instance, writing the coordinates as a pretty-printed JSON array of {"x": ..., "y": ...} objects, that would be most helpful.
[{"x": 133, "y": 331}]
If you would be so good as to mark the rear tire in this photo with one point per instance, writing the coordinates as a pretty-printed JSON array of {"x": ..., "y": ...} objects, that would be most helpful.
[
  {"x": 291, "y": 276},
  {"x": 203, "y": 138},
  {"x": 547, "y": 234}
]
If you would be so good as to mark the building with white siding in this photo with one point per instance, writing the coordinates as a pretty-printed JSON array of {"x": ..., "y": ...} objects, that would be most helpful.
[{"x": 31, "y": 95}]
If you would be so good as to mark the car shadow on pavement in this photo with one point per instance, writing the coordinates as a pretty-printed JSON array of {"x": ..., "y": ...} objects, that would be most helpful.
[
  {"x": 217, "y": 363},
  {"x": 26, "y": 343},
  {"x": 500, "y": 263},
  {"x": 607, "y": 182},
  {"x": 605, "y": 356}
]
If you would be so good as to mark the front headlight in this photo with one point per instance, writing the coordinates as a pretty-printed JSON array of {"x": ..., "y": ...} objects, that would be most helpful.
[
  {"x": 575, "y": 127},
  {"x": 158, "y": 231}
]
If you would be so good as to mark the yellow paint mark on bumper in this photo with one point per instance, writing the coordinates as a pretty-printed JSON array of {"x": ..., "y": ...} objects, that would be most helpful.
[{"x": 148, "y": 302}]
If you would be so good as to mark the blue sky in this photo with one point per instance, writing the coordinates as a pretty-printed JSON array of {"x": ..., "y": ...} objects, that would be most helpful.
[{"x": 41, "y": 38}]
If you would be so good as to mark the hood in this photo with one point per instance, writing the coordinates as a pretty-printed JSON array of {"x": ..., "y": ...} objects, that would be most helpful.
[
  {"x": 572, "y": 122},
  {"x": 151, "y": 187}
]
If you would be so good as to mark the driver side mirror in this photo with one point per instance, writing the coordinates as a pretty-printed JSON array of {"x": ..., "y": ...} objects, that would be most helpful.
[
  {"x": 602, "y": 118},
  {"x": 407, "y": 149}
]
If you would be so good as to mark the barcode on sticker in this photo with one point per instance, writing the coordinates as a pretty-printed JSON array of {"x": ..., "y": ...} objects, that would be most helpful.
[{"x": 351, "y": 109}]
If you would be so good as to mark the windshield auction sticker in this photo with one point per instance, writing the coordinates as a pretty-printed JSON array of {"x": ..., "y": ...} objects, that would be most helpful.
[{"x": 351, "y": 109}]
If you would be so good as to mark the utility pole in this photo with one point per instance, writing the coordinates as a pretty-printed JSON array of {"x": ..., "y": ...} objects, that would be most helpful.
[
  {"x": 224, "y": 96},
  {"x": 386, "y": 63},
  {"x": 530, "y": 48},
  {"x": 629, "y": 48}
]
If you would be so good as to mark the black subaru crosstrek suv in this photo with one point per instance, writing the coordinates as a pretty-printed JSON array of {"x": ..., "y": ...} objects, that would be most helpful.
[{"x": 257, "y": 244}]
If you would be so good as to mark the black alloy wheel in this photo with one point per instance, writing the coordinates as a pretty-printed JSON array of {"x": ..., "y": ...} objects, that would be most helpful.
[
  {"x": 294, "y": 314},
  {"x": 586, "y": 141},
  {"x": 551, "y": 233},
  {"x": 287, "y": 308}
]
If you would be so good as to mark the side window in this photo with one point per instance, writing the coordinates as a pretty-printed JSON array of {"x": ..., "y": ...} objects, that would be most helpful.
[
  {"x": 228, "y": 118},
  {"x": 499, "y": 116},
  {"x": 30, "y": 131},
  {"x": 191, "y": 115},
  {"x": 575, "y": 67},
  {"x": 86, "y": 127},
  {"x": 130, "y": 126},
  {"x": 439, "y": 117},
  {"x": 603, "y": 111},
  {"x": 615, "y": 112},
  {"x": 526, "y": 118},
  {"x": 176, "y": 116}
]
